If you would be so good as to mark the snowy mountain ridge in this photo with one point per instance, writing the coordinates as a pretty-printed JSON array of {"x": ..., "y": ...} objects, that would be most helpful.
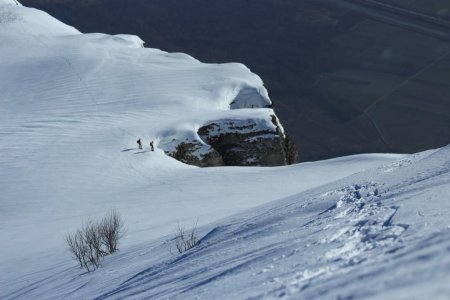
[
  {"x": 71, "y": 108},
  {"x": 146, "y": 78}
]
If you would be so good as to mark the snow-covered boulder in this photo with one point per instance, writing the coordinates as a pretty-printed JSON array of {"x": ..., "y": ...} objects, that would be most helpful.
[{"x": 244, "y": 137}]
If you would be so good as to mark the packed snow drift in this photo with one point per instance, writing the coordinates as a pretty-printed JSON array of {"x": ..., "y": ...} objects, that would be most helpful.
[{"x": 72, "y": 106}]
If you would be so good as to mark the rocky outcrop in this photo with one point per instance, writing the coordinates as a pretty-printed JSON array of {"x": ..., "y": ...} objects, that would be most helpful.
[
  {"x": 253, "y": 136},
  {"x": 237, "y": 142},
  {"x": 245, "y": 143}
]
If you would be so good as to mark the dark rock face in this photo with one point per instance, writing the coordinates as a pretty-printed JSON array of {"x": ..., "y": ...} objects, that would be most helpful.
[
  {"x": 186, "y": 153},
  {"x": 245, "y": 144},
  {"x": 291, "y": 150}
]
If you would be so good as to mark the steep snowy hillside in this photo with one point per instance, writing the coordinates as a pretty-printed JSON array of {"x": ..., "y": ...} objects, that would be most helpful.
[
  {"x": 379, "y": 234},
  {"x": 73, "y": 105}
]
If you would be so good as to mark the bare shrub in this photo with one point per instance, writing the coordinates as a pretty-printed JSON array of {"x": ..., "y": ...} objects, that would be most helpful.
[
  {"x": 78, "y": 248},
  {"x": 186, "y": 240},
  {"x": 111, "y": 230},
  {"x": 95, "y": 240}
]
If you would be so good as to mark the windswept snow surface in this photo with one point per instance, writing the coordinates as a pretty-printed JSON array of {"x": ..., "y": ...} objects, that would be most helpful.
[
  {"x": 9, "y": 2},
  {"x": 72, "y": 106},
  {"x": 379, "y": 234}
]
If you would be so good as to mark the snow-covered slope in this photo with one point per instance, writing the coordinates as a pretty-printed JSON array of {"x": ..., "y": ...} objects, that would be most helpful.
[
  {"x": 72, "y": 106},
  {"x": 380, "y": 234}
]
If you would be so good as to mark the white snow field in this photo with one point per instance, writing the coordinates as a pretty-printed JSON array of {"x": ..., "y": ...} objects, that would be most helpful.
[{"x": 73, "y": 105}]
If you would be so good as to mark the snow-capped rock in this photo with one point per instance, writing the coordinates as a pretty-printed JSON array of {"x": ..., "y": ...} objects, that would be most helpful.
[
  {"x": 246, "y": 142},
  {"x": 253, "y": 137}
]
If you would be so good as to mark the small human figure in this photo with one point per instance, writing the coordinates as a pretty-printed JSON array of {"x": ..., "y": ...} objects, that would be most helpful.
[
  {"x": 139, "y": 142},
  {"x": 151, "y": 146}
]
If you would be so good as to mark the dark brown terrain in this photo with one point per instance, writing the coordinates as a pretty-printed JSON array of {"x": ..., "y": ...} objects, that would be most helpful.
[{"x": 347, "y": 76}]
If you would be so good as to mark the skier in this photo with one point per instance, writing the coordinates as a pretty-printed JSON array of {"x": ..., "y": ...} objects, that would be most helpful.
[
  {"x": 151, "y": 146},
  {"x": 139, "y": 142}
]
